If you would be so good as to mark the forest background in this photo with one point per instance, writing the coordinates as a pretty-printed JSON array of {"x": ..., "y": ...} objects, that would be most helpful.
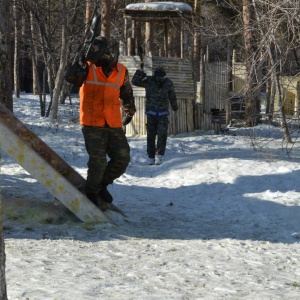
[{"x": 45, "y": 35}]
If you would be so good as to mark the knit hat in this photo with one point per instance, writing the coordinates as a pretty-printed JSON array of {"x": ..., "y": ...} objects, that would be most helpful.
[{"x": 160, "y": 72}]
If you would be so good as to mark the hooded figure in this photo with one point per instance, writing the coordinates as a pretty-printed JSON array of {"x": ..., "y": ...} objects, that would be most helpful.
[
  {"x": 160, "y": 94},
  {"x": 159, "y": 74},
  {"x": 100, "y": 54}
]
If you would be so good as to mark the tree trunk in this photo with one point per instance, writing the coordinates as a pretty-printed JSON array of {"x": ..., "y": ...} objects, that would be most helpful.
[
  {"x": 36, "y": 84},
  {"x": 88, "y": 15},
  {"x": 229, "y": 84},
  {"x": 5, "y": 59},
  {"x": 62, "y": 65},
  {"x": 197, "y": 40},
  {"x": 17, "y": 28},
  {"x": 6, "y": 99},
  {"x": 35, "y": 81},
  {"x": 252, "y": 105},
  {"x": 105, "y": 19},
  {"x": 275, "y": 71},
  {"x": 23, "y": 61}
]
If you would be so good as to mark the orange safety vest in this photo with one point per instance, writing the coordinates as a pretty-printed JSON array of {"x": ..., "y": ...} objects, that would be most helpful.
[{"x": 99, "y": 97}]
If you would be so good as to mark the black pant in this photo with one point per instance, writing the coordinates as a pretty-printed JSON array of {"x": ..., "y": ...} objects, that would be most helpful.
[{"x": 157, "y": 126}]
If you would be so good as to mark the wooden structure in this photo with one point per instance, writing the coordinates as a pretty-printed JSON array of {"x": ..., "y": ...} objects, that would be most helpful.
[
  {"x": 157, "y": 12},
  {"x": 291, "y": 95},
  {"x": 290, "y": 88},
  {"x": 179, "y": 71},
  {"x": 217, "y": 102}
]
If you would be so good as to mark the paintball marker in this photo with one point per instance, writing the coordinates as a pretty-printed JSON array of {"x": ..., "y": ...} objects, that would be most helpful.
[
  {"x": 76, "y": 74},
  {"x": 95, "y": 31}
]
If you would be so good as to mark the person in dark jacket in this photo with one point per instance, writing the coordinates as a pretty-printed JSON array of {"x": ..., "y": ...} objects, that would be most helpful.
[{"x": 160, "y": 93}]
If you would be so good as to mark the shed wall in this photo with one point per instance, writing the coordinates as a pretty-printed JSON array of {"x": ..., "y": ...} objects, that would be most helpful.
[{"x": 179, "y": 71}]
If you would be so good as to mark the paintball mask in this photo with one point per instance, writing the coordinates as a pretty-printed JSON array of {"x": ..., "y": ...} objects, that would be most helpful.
[
  {"x": 100, "y": 54},
  {"x": 159, "y": 74}
]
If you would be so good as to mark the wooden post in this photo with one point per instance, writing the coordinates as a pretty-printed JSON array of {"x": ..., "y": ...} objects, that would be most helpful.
[
  {"x": 148, "y": 39},
  {"x": 125, "y": 37},
  {"x": 166, "y": 39},
  {"x": 181, "y": 39},
  {"x": 229, "y": 85},
  {"x": 138, "y": 36},
  {"x": 133, "y": 37}
]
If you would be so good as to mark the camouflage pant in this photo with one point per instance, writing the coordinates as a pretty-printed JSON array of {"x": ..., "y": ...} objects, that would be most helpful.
[
  {"x": 100, "y": 143},
  {"x": 157, "y": 127}
]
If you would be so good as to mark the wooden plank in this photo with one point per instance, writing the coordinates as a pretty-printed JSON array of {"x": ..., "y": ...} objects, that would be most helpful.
[
  {"x": 50, "y": 178},
  {"x": 60, "y": 165}
]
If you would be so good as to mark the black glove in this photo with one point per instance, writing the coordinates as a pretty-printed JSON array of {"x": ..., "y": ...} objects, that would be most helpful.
[
  {"x": 126, "y": 120},
  {"x": 140, "y": 73},
  {"x": 76, "y": 74},
  {"x": 129, "y": 109}
]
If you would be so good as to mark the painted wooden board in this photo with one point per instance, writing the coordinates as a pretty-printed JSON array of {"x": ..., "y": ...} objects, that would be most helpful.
[{"x": 55, "y": 181}]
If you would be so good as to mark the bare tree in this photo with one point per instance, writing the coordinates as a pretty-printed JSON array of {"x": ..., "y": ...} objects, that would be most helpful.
[
  {"x": 63, "y": 61},
  {"x": 88, "y": 13},
  {"x": 36, "y": 83},
  {"x": 6, "y": 99},
  {"x": 252, "y": 103},
  {"x": 5, "y": 63},
  {"x": 36, "y": 87},
  {"x": 197, "y": 39},
  {"x": 105, "y": 13},
  {"x": 17, "y": 29}
]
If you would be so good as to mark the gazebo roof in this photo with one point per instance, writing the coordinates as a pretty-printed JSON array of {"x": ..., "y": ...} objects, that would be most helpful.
[{"x": 157, "y": 11}]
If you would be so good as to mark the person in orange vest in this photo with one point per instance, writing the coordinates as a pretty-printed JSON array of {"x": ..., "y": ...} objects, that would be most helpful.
[{"x": 104, "y": 88}]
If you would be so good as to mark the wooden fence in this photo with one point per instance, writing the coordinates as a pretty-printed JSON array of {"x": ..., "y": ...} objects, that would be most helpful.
[
  {"x": 178, "y": 121},
  {"x": 179, "y": 71},
  {"x": 195, "y": 112},
  {"x": 215, "y": 96}
]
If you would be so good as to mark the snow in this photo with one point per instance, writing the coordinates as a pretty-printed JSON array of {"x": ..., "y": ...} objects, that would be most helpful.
[
  {"x": 160, "y": 6},
  {"x": 219, "y": 219}
]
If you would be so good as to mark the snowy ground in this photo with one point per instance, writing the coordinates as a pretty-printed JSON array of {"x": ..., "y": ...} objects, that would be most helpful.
[{"x": 219, "y": 219}]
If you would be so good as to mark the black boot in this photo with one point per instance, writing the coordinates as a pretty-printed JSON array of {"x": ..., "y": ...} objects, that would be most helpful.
[
  {"x": 104, "y": 193},
  {"x": 92, "y": 197}
]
